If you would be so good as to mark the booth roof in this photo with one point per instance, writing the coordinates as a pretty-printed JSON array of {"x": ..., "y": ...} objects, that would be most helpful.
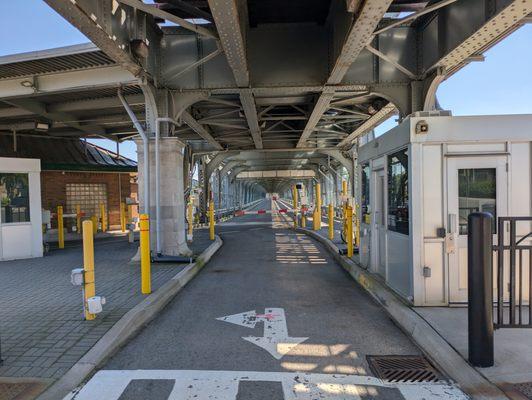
[{"x": 66, "y": 154}]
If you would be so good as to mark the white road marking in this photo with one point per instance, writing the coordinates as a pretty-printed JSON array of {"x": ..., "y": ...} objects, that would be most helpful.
[
  {"x": 223, "y": 385},
  {"x": 275, "y": 340}
]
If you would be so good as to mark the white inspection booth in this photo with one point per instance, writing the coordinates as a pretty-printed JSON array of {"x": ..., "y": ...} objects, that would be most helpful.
[
  {"x": 418, "y": 183},
  {"x": 20, "y": 216}
]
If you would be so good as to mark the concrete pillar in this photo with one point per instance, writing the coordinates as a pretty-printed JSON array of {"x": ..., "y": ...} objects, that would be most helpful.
[{"x": 172, "y": 201}]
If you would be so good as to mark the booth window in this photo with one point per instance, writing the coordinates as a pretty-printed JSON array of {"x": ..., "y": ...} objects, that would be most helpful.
[
  {"x": 14, "y": 198},
  {"x": 365, "y": 200},
  {"x": 477, "y": 191},
  {"x": 398, "y": 192}
]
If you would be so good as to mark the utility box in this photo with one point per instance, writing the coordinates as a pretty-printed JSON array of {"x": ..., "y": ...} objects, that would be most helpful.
[{"x": 417, "y": 185}]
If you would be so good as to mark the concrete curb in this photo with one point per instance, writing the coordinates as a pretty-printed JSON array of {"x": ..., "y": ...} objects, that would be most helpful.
[
  {"x": 127, "y": 327},
  {"x": 425, "y": 336}
]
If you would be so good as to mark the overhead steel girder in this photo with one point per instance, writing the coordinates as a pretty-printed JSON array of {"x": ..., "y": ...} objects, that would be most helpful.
[
  {"x": 69, "y": 120},
  {"x": 103, "y": 26},
  {"x": 230, "y": 20},
  {"x": 229, "y": 166},
  {"x": 156, "y": 12},
  {"x": 200, "y": 130},
  {"x": 383, "y": 114},
  {"x": 338, "y": 156},
  {"x": 358, "y": 37}
]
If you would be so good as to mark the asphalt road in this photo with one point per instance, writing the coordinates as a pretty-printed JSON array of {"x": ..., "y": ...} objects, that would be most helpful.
[{"x": 305, "y": 322}]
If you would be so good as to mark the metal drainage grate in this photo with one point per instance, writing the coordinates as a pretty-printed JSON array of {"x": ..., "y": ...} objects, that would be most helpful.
[
  {"x": 403, "y": 368},
  {"x": 525, "y": 389}
]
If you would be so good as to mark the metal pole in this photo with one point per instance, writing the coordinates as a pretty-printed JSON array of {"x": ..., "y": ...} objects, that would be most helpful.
[
  {"x": 331, "y": 221},
  {"x": 145, "y": 262},
  {"x": 211, "y": 220},
  {"x": 146, "y": 155},
  {"x": 60, "y": 228},
  {"x": 480, "y": 289},
  {"x": 349, "y": 217},
  {"x": 89, "y": 285}
]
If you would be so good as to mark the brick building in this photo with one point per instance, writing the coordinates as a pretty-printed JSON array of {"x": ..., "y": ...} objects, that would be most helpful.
[{"x": 76, "y": 172}]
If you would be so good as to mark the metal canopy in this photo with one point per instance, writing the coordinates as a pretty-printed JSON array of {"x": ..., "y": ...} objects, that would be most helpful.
[{"x": 246, "y": 74}]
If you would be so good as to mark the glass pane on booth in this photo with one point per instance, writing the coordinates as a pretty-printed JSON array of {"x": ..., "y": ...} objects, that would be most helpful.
[
  {"x": 14, "y": 198},
  {"x": 477, "y": 192},
  {"x": 398, "y": 218}
]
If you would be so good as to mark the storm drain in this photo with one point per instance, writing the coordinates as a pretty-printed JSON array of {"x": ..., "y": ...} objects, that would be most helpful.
[
  {"x": 403, "y": 369},
  {"x": 20, "y": 390},
  {"x": 525, "y": 389}
]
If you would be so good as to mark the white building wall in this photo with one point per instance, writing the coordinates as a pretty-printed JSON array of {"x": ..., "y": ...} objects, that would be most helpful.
[{"x": 23, "y": 239}]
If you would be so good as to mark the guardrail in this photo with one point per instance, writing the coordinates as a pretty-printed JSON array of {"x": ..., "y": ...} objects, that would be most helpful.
[{"x": 514, "y": 273}]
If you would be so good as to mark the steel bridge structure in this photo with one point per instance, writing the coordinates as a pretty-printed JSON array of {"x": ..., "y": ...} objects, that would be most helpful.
[{"x": 246, "y": 85}]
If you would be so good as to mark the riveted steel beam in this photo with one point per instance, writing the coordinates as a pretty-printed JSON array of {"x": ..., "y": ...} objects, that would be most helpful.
[
  {"x": 199, "y": 129},
  {"x": 90, "y": 26},
  {"x": 383, "y": 114},
  {"x": 358, "y": 37}
]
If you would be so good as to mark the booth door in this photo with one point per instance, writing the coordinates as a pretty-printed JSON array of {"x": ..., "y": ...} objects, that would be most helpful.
[
  {"x": 476, "y": 183},
  {"x": 379, "y": 224}
]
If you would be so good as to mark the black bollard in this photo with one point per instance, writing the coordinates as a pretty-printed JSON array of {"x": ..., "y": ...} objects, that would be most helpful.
[{"x": 480, "y": 289}]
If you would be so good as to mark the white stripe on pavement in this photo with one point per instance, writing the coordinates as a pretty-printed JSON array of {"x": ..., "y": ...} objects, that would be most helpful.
[{"x": 223, "y": 385}]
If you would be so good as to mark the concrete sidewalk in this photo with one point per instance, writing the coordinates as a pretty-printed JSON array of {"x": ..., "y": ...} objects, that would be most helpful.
[
  {"x": 513, "y": 346},
  {"x": 42, "y": 330}
]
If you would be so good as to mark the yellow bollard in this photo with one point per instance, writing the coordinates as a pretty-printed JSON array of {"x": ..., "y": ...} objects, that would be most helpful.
[
  {"x": 349, "y": 217},
  {"x": 344, "y": 188},
  {"x": 294, "y": 198},
  {"x": 190, "y": 217},
  {"x": 94, "y": 220},
  {"x": 317, "y": 210},
  {"x": 103, "y": 217},
  {"x": 60, "y": 228},
  {"x": 123, "y": 217},
  {"x": 78, "y": 219},
  {"x": 303, "y": 220},
  {"x": 357, "y": 226},
  {"x": 89, "y": 286},
  {"x": 211, "y": 220},
  {"x": 331, "y": 222},
  {"x": 145, "y": 262}
]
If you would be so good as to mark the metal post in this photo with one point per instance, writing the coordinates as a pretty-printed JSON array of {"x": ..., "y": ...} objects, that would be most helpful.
[
  {"x": 211, "y": 220},
  {"x": 480, "y": 289},
  {"x": 94, "y": 220},
  {"x": 331, "y": 222},
  {"x": 317, "y": 209},
  {"x": 349, "y": 217},
  {"x": 103, "y": 217},
  {"x": 145, "y": 261},
  {"x": 294, "y": 198},
  {"x": 89, "y": 286},
  {"x": 60, "y": 228},
  {"x": 78, "y": 219},
  {"x": 190, "y": 214}
]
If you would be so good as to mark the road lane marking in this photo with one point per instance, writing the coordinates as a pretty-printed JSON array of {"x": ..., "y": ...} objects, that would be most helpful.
[
  {"x": 275, "y": 339},
  {"x": 223, "y": 385}
]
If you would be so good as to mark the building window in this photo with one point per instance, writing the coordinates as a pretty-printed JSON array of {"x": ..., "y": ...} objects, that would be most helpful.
[
  {"x": 398, "y": 192},
  {"x": 364, "y": 189},
  {"x": 477, "y": 191},
  {"x": 88, "y": 196},
  {"x": 14, "y": 198}
]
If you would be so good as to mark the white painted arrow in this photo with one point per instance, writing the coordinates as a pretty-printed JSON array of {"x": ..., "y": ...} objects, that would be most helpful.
[{"x": 275, "y": 339}]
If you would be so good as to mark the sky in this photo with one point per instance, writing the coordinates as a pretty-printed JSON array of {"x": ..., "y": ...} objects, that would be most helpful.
[{"x": 500, "y": 85}]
